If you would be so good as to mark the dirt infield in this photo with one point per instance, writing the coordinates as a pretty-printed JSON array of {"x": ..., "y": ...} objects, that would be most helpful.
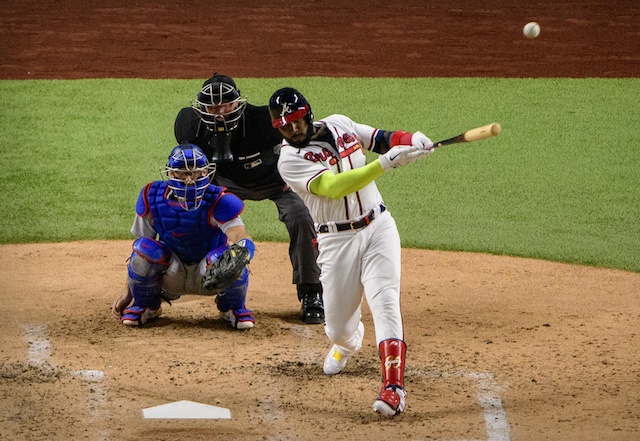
[{"x": 500, "y": 349}]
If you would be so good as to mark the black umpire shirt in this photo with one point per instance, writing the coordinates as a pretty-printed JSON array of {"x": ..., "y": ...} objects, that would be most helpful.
[{"x": 255, "y": 146}]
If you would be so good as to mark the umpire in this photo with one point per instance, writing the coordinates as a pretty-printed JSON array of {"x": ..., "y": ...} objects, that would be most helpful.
[{"x": 239, "y": 139}]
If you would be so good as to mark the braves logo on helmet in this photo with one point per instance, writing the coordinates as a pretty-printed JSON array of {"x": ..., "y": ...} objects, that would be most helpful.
[{"x": 285, "y": 109}]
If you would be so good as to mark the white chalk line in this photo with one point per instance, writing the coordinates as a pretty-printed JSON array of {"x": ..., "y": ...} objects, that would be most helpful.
[
  {"x": 38, "y": 354},
  {"x": 488, "y": 395}
]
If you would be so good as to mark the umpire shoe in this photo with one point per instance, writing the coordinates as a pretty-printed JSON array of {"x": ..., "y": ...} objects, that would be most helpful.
[
  {"x": 312, "y": 312},
  {"x": 390, "y": 402}
]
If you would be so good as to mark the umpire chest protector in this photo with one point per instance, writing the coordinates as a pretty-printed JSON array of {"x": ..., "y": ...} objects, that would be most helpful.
[{"x": 189, "y": 234}]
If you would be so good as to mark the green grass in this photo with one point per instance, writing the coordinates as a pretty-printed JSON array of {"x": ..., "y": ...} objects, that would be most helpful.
[{"x": 560, "y": 183}]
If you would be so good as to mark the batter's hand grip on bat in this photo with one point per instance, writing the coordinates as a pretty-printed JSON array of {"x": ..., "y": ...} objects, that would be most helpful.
[{"x": 486, "y": 131}]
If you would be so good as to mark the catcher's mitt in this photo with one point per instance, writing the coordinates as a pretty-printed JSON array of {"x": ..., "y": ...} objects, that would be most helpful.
[{"x": 227, "y": 269}]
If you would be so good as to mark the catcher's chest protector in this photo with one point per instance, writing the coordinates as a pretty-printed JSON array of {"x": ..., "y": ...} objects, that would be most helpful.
[{"x": 188, "y": 233}]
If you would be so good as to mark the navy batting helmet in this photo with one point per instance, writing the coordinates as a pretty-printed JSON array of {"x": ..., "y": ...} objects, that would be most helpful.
[{"x": 287, "y": 105}]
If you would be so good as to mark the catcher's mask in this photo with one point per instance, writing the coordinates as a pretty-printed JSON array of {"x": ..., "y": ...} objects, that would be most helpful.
[
  {"x": 219, "y": 103},
  {"x": 188, "y": 173}
]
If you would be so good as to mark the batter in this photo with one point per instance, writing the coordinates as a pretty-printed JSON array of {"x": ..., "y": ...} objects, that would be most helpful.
[{"x": 324, "y": 162}]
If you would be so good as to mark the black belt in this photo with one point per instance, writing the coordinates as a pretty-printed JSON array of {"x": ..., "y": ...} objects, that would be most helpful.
[{"x": 356, "y": 225}]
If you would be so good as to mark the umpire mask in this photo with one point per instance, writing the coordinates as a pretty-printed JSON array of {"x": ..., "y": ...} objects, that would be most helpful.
[{"x": 219, "y": 103}]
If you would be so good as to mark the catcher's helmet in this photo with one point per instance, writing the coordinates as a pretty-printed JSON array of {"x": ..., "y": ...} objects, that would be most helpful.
[
  {"x": 188, "y": 173},
  {"x": 219, "y": 103},
  {"x": 287, "y": 105}
]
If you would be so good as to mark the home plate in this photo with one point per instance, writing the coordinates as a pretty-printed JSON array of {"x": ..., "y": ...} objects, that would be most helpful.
[{"x": 186, "y": 410}]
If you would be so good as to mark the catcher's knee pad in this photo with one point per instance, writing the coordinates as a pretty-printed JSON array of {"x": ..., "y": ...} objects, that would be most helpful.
[
  {"x": 149, "y": 261},
  {"x": 149, "y": 257},
  {"x": 235, "y": 296}
]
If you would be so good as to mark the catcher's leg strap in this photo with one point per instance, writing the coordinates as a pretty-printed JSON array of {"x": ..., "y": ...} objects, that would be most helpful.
[
  {"x": 240, "y": 318},
  {"x": 138, "y": 316}
]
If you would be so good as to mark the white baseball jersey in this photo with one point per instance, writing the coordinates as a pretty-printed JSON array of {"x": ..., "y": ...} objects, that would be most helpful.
[
  {"x": 352, "y": 261},
  {"x": 298, "y": 167}
]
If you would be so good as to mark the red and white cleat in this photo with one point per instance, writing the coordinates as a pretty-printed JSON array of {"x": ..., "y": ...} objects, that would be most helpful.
[{"x": 390, "y": 402}]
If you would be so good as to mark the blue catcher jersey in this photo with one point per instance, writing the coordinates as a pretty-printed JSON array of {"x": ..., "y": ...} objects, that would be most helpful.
[{"x": 189, "y": 234}]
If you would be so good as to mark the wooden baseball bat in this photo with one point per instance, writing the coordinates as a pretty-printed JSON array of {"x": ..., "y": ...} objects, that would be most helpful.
[{"x": 483, "y": 132}]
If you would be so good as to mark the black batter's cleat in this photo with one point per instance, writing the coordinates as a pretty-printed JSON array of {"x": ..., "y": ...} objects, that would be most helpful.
[{"x": 312, "y": 312}]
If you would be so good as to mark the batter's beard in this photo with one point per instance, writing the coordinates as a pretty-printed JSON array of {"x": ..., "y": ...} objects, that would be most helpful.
[
  {"x": 300, "y": 143},
  {"x": 302, "y": 140}
]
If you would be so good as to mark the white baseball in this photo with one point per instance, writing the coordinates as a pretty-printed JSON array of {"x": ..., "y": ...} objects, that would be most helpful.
[{"x": 531, "y": 30}]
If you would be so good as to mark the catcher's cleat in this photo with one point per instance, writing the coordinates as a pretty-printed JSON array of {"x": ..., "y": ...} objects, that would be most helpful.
[
  {"x": 138, "y": 316},
  {"x": 240, "y": 318},
  {"x": 390, "y": 402},
  {"x": 335, "y": 361},
  {"x": 312, "y": 312}
]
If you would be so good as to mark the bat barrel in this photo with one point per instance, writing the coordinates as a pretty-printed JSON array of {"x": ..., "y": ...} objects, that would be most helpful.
[
  {"x": 486, "y": 131},
  {"x": 483, "y": 132}
]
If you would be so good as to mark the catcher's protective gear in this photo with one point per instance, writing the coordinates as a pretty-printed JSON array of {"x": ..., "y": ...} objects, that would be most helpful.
[
  {"x": 235, "y": 296},
  {"x": 188, "y": 173},
  {"x": 149, "y": 261},
  {"x": 228, "y": 268},
  {"x": 287, "y": 105},
  {"x": 240, "y": 318},
  {"x": 137, "y": 316},
  {"x": 219, "y": 103}
]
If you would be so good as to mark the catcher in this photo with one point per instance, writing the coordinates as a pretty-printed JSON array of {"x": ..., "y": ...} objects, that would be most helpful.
[{"x": 190, "y": 240}]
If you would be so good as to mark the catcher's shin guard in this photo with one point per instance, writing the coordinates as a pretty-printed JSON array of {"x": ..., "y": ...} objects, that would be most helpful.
[
  {"x": 147, "y": 265},
  {"x": 391, "y": 399},
  {"x": 231, "y": 303},
  {"x": 235, "y": 296}
]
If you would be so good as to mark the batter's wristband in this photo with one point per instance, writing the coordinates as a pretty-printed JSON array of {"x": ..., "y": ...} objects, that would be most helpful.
[{"x": 401, "y": 138}]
